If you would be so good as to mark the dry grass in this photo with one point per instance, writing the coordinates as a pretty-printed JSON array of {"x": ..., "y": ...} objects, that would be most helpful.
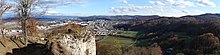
[
  {"x": 73, "y": 29},
  {"x": 67, "y": 29},
  {"x": 8, "y": 44}
]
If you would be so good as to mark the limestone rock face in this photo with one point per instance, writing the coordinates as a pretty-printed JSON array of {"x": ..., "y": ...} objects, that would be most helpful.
[
  {"x": 79, "y": 46},
  {"x": 75, "y": 43}
]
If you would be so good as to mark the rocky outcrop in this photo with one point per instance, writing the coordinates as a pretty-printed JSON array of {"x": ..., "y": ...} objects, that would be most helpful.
[{"x": 72, "y": 39}]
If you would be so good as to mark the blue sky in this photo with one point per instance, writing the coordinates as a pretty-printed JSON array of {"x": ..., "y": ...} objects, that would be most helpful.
[{"x": 136, "y": 7}]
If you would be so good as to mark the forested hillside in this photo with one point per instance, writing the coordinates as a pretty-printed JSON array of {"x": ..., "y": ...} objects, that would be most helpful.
[{"x": 190, "y": 35}]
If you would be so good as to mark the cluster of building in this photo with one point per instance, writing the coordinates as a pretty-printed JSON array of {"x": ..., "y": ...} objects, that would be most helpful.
[
  {"x": 101, "y": 27},
  {"x": 10, "y": 32}
]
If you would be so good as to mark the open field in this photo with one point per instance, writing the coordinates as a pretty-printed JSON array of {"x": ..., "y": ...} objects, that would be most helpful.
[
  {"x": 122, "y": 41},
  {"x": 128, "y": 33}
]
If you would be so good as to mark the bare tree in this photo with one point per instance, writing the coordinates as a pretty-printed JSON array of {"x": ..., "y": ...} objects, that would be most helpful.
[
  {"x": 3, "y": 8},
  {"x": 26, "y": 9},
  {"x": 31, "y": 8}
]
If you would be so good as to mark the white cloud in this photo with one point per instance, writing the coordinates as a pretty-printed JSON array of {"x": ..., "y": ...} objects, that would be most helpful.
[
  {"x": 157, "y": 3},
  {"x": 178, "y": 3},
  {"x": 164, "y": 7},
  {"x": 152, "y": 2},
  {"x": 123, "y": 10},
  {"x": 174, "y": 13},
  {"x": 52, "y": 12},
  {"x": 206, "y": 3},
  {"x": 170, "y": 1},
  {"x": 60, "y": 2},
  {"x": 151, "y": 12},
  {"x": 125, "y": 1},
  {"x": 186, "y": 11},
  {"x": 161, "y": 10},
  {"x": 183, "y": 3},
  {"x": 130, "y": 8}
]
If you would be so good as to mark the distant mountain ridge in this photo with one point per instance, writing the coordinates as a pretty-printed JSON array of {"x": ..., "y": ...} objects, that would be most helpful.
[
  {"x": 126, "y": 17},
  {"x": 58, "y": 17}
]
